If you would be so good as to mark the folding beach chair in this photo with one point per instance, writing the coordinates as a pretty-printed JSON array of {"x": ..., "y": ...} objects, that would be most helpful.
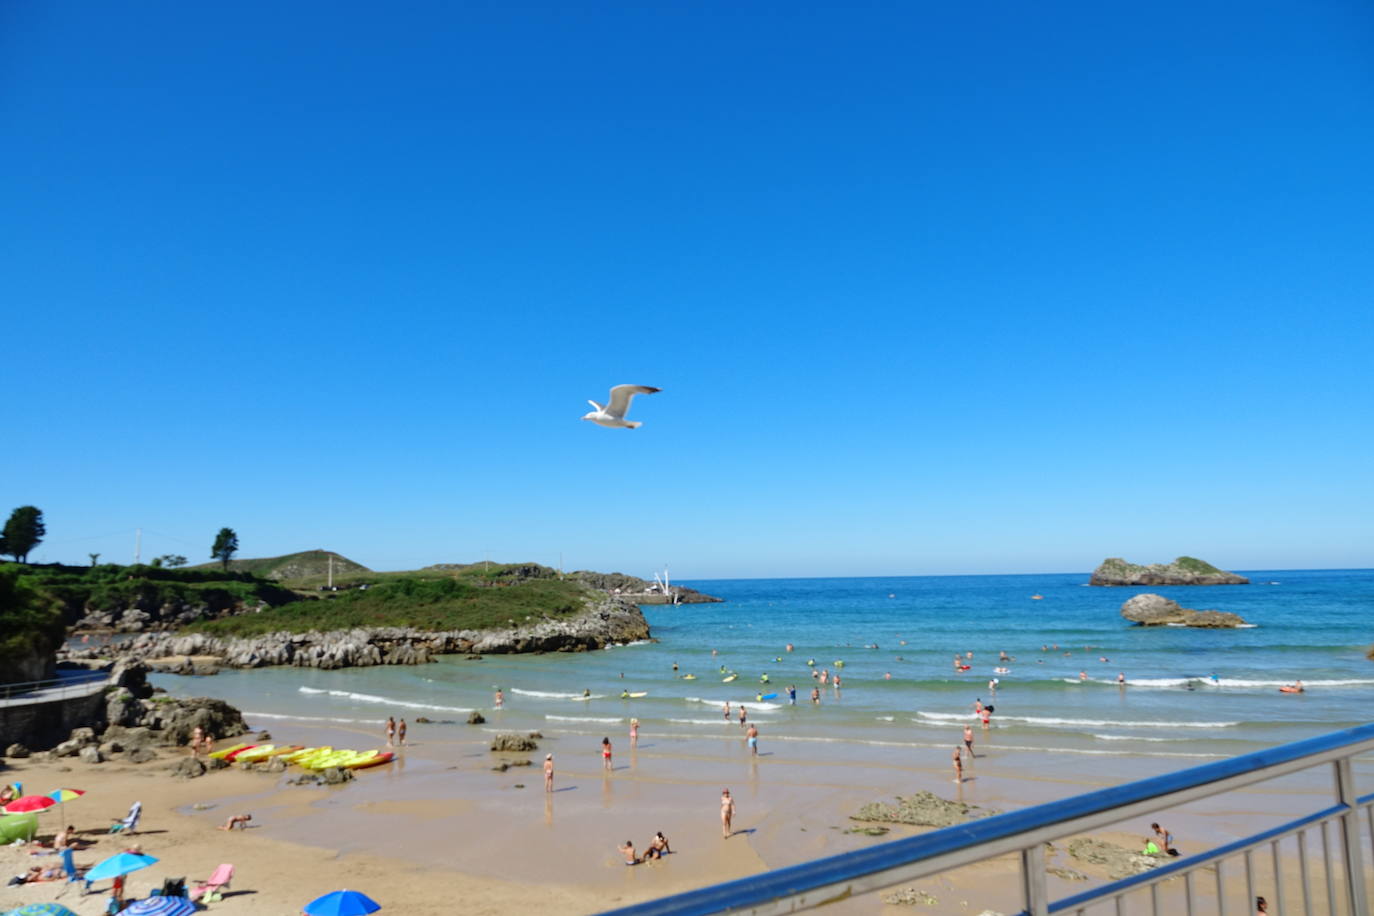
[
  {"x": 212, "y": 888},
  {"x": 130, "y": 822}
]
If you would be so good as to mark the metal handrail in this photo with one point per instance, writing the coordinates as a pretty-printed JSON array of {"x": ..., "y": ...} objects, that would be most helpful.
[
  {"x": 810, "y": 884},
  {"x": 19, "y": 688}
]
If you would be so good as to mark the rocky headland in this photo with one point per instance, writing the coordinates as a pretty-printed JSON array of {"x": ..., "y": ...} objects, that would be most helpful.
[
  {"x": 608, "y": 620},
  {"x": 1182, "y": 571},
  {"x": 1157, "y": 611}
]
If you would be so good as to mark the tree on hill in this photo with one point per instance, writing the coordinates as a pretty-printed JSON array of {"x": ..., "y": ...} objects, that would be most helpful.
[
  {"x": 225, "y": 546},
  {"x": 171, "y": 560},
  {"x": 22, "y": 533}
]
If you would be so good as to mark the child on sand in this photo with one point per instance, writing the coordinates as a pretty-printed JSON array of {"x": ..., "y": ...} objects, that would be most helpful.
[{"x": 606, "y": 754}]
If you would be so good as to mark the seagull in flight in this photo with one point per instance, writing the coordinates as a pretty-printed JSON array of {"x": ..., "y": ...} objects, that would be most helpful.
[{"x": 612, "y": 415}]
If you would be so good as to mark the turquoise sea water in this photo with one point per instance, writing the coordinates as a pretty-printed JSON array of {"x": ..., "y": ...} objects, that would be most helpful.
[{"x": 1189, "y": 694}]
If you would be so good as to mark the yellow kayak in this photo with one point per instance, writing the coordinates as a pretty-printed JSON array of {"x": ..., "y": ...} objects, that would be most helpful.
[
  {"x": 223, "y": 752},
  {"x": 297, "y": 756}
]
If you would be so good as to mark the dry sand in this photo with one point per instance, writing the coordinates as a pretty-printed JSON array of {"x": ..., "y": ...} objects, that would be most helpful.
[{"x": 440, "y": 831}]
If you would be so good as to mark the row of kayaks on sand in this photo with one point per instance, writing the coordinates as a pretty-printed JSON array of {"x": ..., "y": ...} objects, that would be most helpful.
[{"x": 311, "y": 758}]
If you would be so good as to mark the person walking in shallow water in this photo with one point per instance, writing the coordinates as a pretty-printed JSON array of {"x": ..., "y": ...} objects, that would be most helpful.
[
  {"x": 390, "y": 731},
  {"x": 401, "y": 733},
  {"x": 968, "y": 740},
  {"x": 958, "y": 765},
  {"x": 727, "y": 814},
  {"x": 606, "y": 754}
]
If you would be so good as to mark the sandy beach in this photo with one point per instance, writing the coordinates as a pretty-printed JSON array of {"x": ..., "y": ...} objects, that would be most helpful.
[{"x": 441, "y": 826}]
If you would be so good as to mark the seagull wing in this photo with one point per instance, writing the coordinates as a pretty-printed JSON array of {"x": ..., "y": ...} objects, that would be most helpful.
[
  {"x": 594, "y": 404},
  {"x": 620, "y": 398}
]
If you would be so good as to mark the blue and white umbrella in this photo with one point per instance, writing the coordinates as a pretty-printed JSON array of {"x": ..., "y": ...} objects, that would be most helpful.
[{"x": 161, "y": 906}]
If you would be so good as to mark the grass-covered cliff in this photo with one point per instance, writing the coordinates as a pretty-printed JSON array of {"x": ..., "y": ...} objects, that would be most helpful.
[
  {"x": 103, "y": 595},
  {"x": 293, "y": 567},
  {"x": 31, "y": 628},
  {"x": 447, "y": 602}
]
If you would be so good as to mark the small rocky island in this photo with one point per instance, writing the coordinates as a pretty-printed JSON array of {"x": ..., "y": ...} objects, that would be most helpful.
[
  {"x": 1157, "y": 611},
  {"x": 1183, "y": 571}
]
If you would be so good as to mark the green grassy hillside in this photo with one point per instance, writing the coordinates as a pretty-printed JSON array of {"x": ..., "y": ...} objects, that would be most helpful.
[
  {"x": 445, "y": 602},
  {"x": 30, "y": 627},
  {"x": 294, "y": 567}
]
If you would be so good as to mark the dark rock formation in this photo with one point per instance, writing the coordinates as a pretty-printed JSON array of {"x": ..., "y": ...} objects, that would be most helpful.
[
  {"x": 188, "y": 768},
  {"x": 511, "y": 742},
  {"x": 1156, "y": 610},
  {"x": 476, "y": 718},
  {"x": 925, "y": 809},
  {"x": 1183, "y": 571},
  {"x": 606, "y": 621}
]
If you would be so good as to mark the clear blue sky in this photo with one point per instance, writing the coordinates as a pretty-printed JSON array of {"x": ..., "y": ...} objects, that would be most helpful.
[{"x": 929, "y": 288}]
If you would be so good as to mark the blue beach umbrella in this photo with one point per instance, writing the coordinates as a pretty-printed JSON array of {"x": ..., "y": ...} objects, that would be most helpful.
[
  {"x": 161, "y": 906},
  {"x": 118, "y": 865},
  {"x": 342, "y": 903},
  {"x": 41, "y": 909}
]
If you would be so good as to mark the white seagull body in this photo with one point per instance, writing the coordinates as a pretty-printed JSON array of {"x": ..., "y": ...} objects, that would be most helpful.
[{"x": 612, "y": 415}]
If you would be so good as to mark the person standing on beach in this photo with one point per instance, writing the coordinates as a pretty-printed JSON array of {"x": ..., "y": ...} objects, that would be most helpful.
[
  {"x": 390, "y": 731},
  {"x": 753, "y": 737},
  {"x": 727, "y": 813},
  {"x": 968, "y": 741},
  {"x": 727, "y": 710},
  {"x": 500, "y": 698},
  {"x": 401, "y": 733},
  {"x": 548, "y": 772},
  {"x": 987, "y": 718},
  {"x": 958, "y": 765},
  {"x": 606, "y": 754},
  {"x": 742, "y": 716},
  {"x": 634, "y": 732}
]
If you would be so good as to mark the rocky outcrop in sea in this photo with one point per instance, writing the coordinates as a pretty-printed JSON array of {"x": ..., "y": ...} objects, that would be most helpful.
[
  {"x": 1157, "y": 611},
  {"x": 607, "y": 621},
  {"x": 1182, "y": 571}
]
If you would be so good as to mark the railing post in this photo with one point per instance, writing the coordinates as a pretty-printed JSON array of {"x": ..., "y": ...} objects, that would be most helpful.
[
  {"x": 1350, "y": 837},
  {"x": 1033, "y": 881}
]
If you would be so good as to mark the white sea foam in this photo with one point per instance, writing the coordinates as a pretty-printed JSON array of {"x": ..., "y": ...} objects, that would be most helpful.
[
  {"x": 387, "y": 701},
  {"x": 555, "y": 696},
  {"x": 749, "y": 705},
  {"x": 1072, "y": 723},
  {"x": 720, "y": 721},
  {"x": 1136, "y": 738},
  {"x": 886, "y": 718},
  {"x": 637, "y": 642},
  {"x": 275, "y": 715},
  {"x": 552, "y": 718}
]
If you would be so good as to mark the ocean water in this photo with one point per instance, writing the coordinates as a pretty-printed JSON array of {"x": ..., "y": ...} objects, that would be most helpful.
[{"x": 1189, "y": 694}]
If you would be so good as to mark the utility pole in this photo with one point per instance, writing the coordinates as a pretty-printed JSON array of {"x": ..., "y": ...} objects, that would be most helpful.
[{"x": 138, "y": 545}]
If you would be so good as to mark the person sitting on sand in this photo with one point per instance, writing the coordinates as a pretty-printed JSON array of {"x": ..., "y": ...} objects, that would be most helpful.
[
  {"x": 628, "y": 851},
  {"x": 7, "y": 795},
  {"x": 197, "y": 736},
  {"x": 238, "y": 820},
  {"x": 658, "y": 846}
]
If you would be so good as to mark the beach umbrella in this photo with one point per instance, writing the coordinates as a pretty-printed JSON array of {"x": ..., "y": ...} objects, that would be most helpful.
[
  {"x": 26, "y": 803},
  {"x": 342, "y": 903},
  {"x": 161, "y": 906},
  {"x": 41, "y": 909},
  {"x": 62, "y": 796},
  {"x": 118, "y": 865}
]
